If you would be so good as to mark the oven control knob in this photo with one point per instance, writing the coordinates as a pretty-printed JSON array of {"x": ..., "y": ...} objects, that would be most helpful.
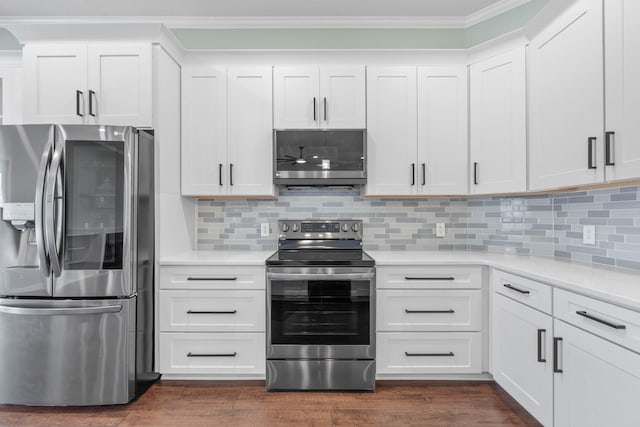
[
  {"x": 285, "y": 227},
  {"x": 354, "y": 228},
  {"x": 345, "y": 227},
  {"x": 295, "y": 227}
]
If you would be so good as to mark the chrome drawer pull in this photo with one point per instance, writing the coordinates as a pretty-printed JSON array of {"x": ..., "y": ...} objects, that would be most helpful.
[
  {"x": 428, "y": 311},
  {"x": 211, "y": 278},
  {"x": 450, "y": 354},
  {"x": 211, "y": 312},
  {"x": 513, "y": 288},
  {"x": 211, "y": 354},
  {"x": 429, "y": 278},
  {"x": 596, "y": 319}
]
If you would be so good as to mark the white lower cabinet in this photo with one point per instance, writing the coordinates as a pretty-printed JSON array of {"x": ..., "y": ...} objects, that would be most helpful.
[
  {"x": 521, "y": 355},
  {"x": 212, "y": 322},
  {"x": 428, "y": 321}
]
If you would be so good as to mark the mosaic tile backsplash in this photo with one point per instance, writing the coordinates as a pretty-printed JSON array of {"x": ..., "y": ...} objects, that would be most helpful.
[{"x": 544, "y": 225}]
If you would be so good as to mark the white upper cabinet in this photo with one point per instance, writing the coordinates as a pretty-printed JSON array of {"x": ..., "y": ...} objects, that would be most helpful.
[
  {"x": 99, "y": 83},
  {"x": 498, "y": 126},
  {"x": 392, "y": 138},
  {"x": 331, "y": 97},
  {"x": 442, "y": 130},
  {"x": 226, "y": 132},
  {"x": 566, "y": 99},
  {"x": 622, "y": 88}
]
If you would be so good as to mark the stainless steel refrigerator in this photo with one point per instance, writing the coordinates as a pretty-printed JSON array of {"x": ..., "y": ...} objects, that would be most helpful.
[{"x": 76, "y": 264}]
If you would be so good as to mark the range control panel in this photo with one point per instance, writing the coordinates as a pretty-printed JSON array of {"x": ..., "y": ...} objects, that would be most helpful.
[{"x": 320, "y": 229}]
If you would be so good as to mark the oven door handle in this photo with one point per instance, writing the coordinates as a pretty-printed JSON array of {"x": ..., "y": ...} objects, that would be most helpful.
[{"x": 320, "y": 276}]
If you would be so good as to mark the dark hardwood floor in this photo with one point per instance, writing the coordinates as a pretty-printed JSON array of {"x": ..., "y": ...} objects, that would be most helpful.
[{"x": 246, "y": 403}]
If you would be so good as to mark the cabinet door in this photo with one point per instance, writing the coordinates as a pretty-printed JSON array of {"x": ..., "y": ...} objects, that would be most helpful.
[
  {"x": 119, "y": 84},
  {"x": 392, "y": 131},
  {"x": 55, "y": 83},
  {"x": 599, "y": 382},
  {"x": 204, "y": 131},
  {"x": 567, "y": 99},
  {"x": 622, "y": 68},
  {"x": 442, "y": 130},
  {"x": 296, "y": 97},
  {"x": 342, "y": 97},
  {"x": 521, "y": 338},
  {"x": 498, "y": 138},
  {"x": 250, "y": 131}
]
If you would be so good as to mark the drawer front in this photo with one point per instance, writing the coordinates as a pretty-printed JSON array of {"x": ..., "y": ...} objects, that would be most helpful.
[
  {"x": 526, "y": 291},
  {"x": 616, "y": 324},
  {"x": 428, "y": 352},
  {"x": 223, "y": 353},
  {"x": 212, "y": 311},
  {"x": 421, "y": 277},
  {"x": 212, "y": 277},
  {"x": 428, "y": 310}
]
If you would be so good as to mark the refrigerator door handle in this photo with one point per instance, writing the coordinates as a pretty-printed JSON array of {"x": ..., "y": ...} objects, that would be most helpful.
[
  {"x": 51, "y": 231},
  {"x": 40, "y": 207},
  {"x": 30, "y": 311}
]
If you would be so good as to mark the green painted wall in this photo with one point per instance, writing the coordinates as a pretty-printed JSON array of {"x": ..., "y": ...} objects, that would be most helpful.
[{"x": 8, "y": 41}]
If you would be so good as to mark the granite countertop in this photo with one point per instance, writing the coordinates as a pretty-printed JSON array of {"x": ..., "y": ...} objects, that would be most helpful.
[{"x": 618, "y": 287}]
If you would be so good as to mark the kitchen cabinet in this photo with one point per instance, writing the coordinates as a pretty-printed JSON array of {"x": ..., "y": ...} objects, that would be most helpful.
[
  {"x": 521, "y": 342},
  {"x": 622, "y": 90},
  {"x": 331, "y": 97},
  {"x": 429, "y": 321},
  {"x": 96, "y": 83},
  {"x": 227, "y": 131},
  {"x": 498, "y": 130},
  {"x": 416, "y": 131},
  {"x": 212, "y": 322},
  {"x": 10, "y": 95},
  {"x": 566, "y": 99}
]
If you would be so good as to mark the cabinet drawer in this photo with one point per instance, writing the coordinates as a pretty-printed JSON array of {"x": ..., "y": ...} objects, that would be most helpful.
[
  {"x": 616, "y": 324},
  {"x": 212, "y": 311},
  {"x": 215, "y": 353},
  {"x": 428, "y": 352},
  {"x": 423, "y": 277},
  {"x": 209, "y": 277},
  {"x": 526, "y": 291},
  {"x": 428, "y": 310}
]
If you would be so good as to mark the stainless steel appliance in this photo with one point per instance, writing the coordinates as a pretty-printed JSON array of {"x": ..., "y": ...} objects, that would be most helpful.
[
  {"x": 76, "y": 264},
  {"x": 319, "y": 157},
  {"x": 320, "y": 308}
]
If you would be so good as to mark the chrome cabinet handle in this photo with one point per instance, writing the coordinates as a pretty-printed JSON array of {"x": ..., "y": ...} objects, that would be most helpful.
[
  {"x": 429, "y": 278},
  {"x": 314, "y": 108},
  {"x": 211, "y": 278},
  {"x": 413, "y": 174},
  {"x": 428, "y": 311},
  {"x": 556, "y": 351},
  {"x": 325, "y": 108},
  {"x": 513, "y": 288},
  {"x": 450, "y": 354},
  {"x": 79, "y": 94},
  {"x": 212, "y": 354},
  {"x": 424, "y": 174},
  {"x": 609, "y": 140},
  {"x": 211, "y": 312},
  {"x": 220, "y": 173},
  {"x": 591, "y": 142},
  {"x": 597, "y": 319},
  {"x": 91, "y": 95},
  {"x": 230, "y": 173},
  {"x": 475, "y": 173},
  {"x": 541, "y": 357}
]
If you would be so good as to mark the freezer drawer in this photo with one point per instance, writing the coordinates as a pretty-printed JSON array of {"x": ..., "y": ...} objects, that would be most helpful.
[{"x": 67, "y": 352}]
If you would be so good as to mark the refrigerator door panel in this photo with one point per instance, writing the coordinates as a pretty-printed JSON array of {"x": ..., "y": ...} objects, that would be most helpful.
[
  {"x": 25, "y": 154},
  {"x": 67, "y": 352},
  {"x": 90, "y": 215}
]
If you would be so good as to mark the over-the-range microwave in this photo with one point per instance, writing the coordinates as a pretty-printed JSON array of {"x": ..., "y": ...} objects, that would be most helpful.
[{"x": 319, "y": 157}]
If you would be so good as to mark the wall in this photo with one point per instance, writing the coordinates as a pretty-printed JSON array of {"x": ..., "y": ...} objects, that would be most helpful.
[{"x": 543, "y": 225}]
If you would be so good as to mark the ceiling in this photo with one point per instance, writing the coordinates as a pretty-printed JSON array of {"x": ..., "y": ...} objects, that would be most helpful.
[{"x": 460, "y": 9}]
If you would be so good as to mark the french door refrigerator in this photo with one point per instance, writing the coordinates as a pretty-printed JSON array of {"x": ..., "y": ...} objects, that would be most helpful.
[{"x": 76, "y": 264}]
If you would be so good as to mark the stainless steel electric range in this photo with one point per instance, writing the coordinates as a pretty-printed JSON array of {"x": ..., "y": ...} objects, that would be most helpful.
[{"x": 320, "y": 308}]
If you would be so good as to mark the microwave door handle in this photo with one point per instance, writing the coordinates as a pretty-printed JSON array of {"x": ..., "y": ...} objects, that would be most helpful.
[
  {"x": 40, "y": 206},
  {"x": 52, "y": 233}
]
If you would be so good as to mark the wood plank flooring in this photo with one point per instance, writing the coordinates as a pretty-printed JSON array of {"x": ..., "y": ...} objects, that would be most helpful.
[{"x": 246, "y": 403}]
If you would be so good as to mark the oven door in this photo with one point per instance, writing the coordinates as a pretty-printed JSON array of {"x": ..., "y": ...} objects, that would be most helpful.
[{"x": 320, "y": 313}]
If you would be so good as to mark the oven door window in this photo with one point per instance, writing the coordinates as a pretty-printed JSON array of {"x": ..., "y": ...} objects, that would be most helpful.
[{"x": 320, "y": 312}]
